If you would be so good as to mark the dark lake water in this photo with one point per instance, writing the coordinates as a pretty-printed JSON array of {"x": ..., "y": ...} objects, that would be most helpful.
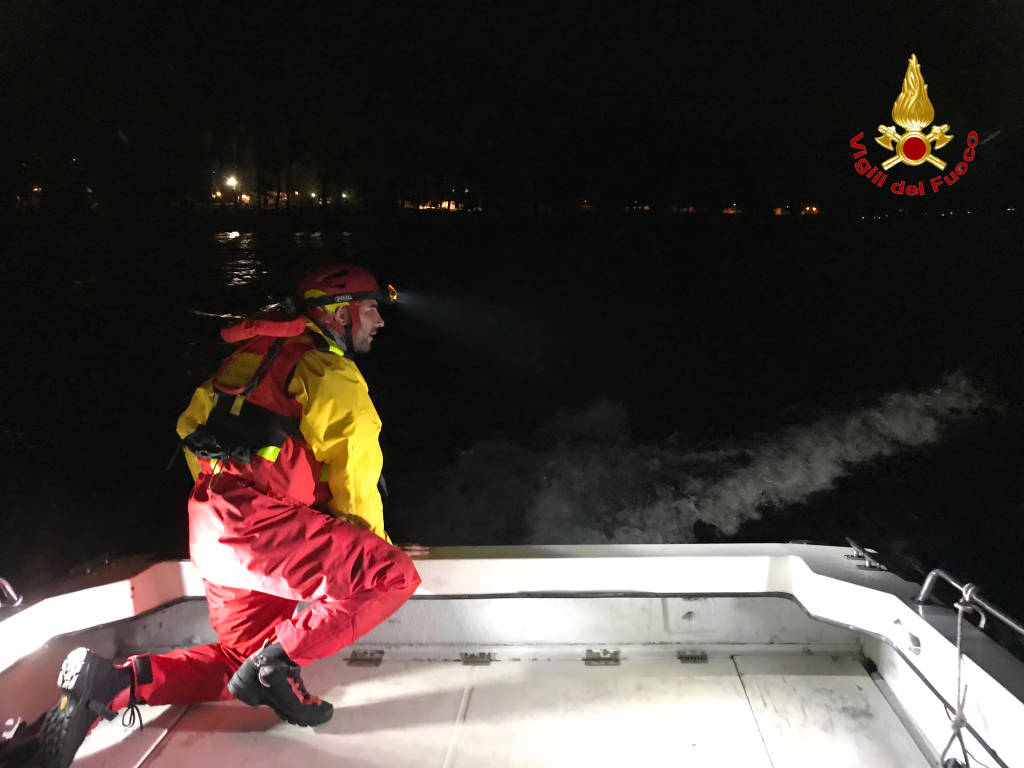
[{"x": 553, "y": 380}]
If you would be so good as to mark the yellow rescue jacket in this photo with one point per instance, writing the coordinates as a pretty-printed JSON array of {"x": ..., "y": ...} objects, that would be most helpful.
[{"x": 338, "y": 422}]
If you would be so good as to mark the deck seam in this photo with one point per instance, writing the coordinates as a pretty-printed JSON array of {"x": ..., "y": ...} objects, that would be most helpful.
[
  {"x": 460, "y": 718},
  {"x": 155, "y": 748},
  {"x": 753, "y": 714}
]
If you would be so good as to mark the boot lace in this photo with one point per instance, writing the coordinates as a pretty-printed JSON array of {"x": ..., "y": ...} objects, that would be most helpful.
[
  {"x": 299, "y": 687},
  {"x": 131, "y": 713}
]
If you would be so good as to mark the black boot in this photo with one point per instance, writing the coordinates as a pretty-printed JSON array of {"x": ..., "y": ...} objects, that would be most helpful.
[
  {"x": 270, "y": 677},
  {"x": 88, "y": 684}
]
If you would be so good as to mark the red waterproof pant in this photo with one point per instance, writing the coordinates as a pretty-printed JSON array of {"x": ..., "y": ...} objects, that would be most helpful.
[{"x": 259, "y": 556}]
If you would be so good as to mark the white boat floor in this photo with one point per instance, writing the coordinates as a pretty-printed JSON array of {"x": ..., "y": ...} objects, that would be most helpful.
[{"x": 771, "y": 710}]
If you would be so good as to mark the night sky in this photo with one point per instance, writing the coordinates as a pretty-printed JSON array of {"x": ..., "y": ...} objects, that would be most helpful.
[{"x": 667, "y": 103}]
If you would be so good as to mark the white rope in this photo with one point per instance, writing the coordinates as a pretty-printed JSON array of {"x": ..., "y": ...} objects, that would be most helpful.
[{"x": 959, "y": 719}]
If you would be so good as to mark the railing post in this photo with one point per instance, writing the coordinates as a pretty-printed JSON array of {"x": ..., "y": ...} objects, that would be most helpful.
[{"x": 8, "y": 597}]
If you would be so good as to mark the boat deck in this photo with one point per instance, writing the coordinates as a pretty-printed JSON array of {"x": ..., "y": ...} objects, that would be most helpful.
[
  {"x": 543, "y": 707},
  {"x": 718, "y": 655}
]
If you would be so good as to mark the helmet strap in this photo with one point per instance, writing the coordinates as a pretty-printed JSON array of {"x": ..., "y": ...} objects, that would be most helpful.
[
  {"x": 353, "y": 319},
  {"x": 342, "y": 341}
]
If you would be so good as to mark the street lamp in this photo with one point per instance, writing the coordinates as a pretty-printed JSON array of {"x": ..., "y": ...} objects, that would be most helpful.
[{"x": 231, "y": 181}]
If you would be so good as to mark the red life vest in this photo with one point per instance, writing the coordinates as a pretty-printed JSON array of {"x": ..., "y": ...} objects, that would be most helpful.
[{"x": 252, "y": 431}]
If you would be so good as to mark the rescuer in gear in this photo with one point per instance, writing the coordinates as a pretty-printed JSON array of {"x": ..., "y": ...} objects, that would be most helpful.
[{"x": 283, "y": 444}]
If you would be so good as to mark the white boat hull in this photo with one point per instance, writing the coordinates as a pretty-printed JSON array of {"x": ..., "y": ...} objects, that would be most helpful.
[{"x": 691, "y": 654}]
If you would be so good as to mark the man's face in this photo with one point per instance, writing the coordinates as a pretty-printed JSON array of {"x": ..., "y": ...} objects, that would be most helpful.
[{"x": 369, "y": 323}]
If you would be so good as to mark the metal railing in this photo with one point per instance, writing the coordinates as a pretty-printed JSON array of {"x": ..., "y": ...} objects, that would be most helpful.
[{"x": 970, "y": 595}]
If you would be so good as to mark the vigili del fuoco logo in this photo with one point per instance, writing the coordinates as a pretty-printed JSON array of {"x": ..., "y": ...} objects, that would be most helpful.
[{"x": 913, "y": 112}]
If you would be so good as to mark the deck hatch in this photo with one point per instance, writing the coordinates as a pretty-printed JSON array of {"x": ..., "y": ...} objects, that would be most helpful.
[
  {"x": 365, "y": 658},
  {"x": 601, "y": 658},
  {"x": 482, "y": 659},
  {"x": 692, "y": 657}
]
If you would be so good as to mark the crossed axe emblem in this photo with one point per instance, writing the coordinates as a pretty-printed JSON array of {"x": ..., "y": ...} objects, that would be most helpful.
[{"x": 936, "y": 139}]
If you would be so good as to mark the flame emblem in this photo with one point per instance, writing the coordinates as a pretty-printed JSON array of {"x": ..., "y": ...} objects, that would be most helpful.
[{"x": 913, "y": 111}]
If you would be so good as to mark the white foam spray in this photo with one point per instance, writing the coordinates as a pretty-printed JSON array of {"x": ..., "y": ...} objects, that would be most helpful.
[{"x": 584, "y": 482}]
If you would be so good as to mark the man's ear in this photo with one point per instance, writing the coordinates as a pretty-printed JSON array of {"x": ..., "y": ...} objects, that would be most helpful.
[{"x": 341, "y": 315}]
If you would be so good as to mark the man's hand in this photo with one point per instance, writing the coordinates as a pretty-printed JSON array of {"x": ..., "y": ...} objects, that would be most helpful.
[{"x": 414, "y": 550}]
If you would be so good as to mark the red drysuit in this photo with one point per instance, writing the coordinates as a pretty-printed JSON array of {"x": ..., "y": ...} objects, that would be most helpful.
[{"x": 299, "y": 520}]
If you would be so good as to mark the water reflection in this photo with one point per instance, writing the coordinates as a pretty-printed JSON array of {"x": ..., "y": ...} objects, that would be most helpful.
[
  {"x": 240, "y": 265},
  {"x": 311, "y": 240}
]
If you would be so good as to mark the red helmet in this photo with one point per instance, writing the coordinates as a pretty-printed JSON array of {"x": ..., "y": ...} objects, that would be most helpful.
[{"x": 341, "y": 283}]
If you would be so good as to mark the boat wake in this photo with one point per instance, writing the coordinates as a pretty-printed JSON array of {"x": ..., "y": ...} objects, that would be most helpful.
[{"x": 585, "y": 483}]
